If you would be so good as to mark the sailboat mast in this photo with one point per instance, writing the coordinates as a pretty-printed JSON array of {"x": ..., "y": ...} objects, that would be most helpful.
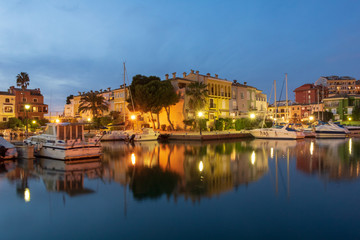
[
  {"x": 287, "y": 105},
  {"x": 124, "y": 109},
  {"x": 275, "y": 100}
]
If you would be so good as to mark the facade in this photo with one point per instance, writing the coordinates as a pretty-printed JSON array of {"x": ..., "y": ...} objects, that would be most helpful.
[
  {"x": 32, "y": 97},
  {"x": 7, "y": 106},
  {"x": 308, "y": 94},
  {"x": 340, "y": 85},
  {"x": 341, "y": 106},
  {"x": 261, "y": 103}
]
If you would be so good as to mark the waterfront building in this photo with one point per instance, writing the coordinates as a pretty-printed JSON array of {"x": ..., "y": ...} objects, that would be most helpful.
[
  {"x": 261, "y": 103},
  {"x": 219, "y": 95},
  {"x": 71, "y": 110},
  {"x": 309, "y": 93},
  {"x": 7, "y": 106},
  {"x": 31, "y": 97},
  {"x": 341, "y": 106},
  {"x": 339, "y": 85}
]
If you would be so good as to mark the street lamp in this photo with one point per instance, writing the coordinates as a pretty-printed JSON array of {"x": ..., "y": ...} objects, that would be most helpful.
[
  {"x": 133, "y": 118},
  {"x": 252, "y": 115},
  {"x": 311, "y": 118},
  {"x": 27, "y": 107},
  {"x": 349, "y": 118},
  {"x": 200, "y": 114}
]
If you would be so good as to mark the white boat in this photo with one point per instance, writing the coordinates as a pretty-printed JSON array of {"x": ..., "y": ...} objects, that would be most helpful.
[
  {"x": 277, "y": 132},
  {"x": 330, "y": 130},
  {"x": 309, "y": 132},
  {"x": 146, "y": 134},
  {"x": 115, "y": 136},
  {"x": 7, "y": 150},
  {"x": 64, "y": 141}
]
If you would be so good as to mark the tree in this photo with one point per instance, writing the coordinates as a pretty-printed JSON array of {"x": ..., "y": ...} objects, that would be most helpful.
[
  {"x": 198, "y": 93},
  {"x": 169, "y": 98},
  {"x": 356, "y": 113},
  {"x": 22, "y": 80},
  {"x": 94, "y": 103},
  {"x": 68, "y": 98},
  {"x": 149, "y": 99},
  {"x": 135, "y": 99}
]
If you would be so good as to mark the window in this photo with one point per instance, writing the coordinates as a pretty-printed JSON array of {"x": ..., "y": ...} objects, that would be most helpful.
[
  {"x": 7, "y": 100},
  {"x": 8, "y": 109},
  {"x": 242, "y": 95},
  {"x": 4, "y": 119},
  {"x": 24, "y": 99},
  {"x": 35, "y": 100}
]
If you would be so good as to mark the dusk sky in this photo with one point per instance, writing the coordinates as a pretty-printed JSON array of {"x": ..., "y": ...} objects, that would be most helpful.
[{"x": 71, "y": 46}]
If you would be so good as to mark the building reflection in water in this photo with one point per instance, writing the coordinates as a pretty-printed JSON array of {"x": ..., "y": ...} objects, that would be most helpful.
[
  {"x": 332, "y": 159},
  {"x": 192, "y": 170}
]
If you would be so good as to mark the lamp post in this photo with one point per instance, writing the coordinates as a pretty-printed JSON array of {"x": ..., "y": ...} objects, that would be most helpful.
[
  {"x": 27, "y": 107},
  {"x": 200, "y": 114},
  {"x": 133, "y": 118}
]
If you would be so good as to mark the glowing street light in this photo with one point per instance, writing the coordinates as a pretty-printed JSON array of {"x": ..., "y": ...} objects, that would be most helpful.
[
  {"x": 57, "y": 120},
  {"x": 200, "y": 114},
  {"x": 133, "y": 117},
  {"x": 311, "y": 118},
  {"x": 89, "y": 119},
  {"x": 27, "y": 107},
  {"x": 349, "y": 118},
  {"x": 252, "y": 115},
  {"x": 33, "y": 122}
]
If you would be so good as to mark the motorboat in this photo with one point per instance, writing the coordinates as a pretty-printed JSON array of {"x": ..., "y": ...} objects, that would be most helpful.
[
  {"x": 330, "y": 130},
  {"x": 7, "y": 150},
  {"x": 146, "y": 134},
  {"x": 278, "y": 132},
  {"x": 64, "y": 141},
  {"x": 114, "y": 136}
]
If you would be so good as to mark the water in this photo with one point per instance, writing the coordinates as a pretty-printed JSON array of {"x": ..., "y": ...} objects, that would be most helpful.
[{"x": 237, "y": 189}]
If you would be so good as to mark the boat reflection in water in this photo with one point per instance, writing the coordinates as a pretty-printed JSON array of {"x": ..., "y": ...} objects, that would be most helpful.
[{"x": 193, "y": 170}]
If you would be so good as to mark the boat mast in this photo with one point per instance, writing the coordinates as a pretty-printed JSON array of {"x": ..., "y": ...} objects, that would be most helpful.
[
  {"x": 275, "y": 101},
  {"x": 124, "y": 111},
  {"x": 287, "y": 105}
]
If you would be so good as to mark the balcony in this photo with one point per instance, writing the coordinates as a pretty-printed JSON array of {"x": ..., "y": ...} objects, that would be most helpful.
[{"x": 212, "y": 105}]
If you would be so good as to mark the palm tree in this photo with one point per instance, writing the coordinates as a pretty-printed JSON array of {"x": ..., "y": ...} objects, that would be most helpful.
[
  {"x": 94, "y": 103},
  {"x": 22, "y": 80},
  {"x": 198, "y": 93}
]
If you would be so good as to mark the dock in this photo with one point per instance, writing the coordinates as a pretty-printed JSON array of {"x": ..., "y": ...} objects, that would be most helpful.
[{"x": 208, "y": 136}]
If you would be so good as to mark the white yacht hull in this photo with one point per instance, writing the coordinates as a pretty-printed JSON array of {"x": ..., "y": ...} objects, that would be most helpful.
[
  {"x": 274, "y": 134},
  {"x": 320, "y": 134},
  {"x": 68, "y": 152}
]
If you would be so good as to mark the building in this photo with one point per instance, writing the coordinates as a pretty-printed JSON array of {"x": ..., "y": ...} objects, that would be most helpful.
[
  {"x": 7, "y": 108},
  {"x": 246, "y": 99},
  {"x": 339, "y": 85},
  {"x": 341, "y": 106},
  {"x": 31, "y": 97},
  {"x": 309, "y": 93},
  {"x": 219, "y": 95}
]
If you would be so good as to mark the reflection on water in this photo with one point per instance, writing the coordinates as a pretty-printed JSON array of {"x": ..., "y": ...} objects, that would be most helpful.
[
  {"x": 193, "y": 171},
  {"x": 146, "y": 184}
]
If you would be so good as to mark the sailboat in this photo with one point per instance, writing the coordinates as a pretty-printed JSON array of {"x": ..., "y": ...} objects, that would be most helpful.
[{"x": 277, "y": 131}]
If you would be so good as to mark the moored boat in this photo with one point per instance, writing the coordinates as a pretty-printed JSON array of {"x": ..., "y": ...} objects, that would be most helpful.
[
  {"x": 146, "y": 134},
  {"x": 7, "y": 150},
  {"x": 64, "y": 141},
  {"x": 278, "y": 132},
  {"x": 330, "y": 130}
]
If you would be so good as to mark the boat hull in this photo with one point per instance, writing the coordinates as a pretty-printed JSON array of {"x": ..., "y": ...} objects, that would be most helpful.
[
  {"x": 68, "y": 152},
  {"x": 321, "y": 134},
  {"x": 270, "y": 134}
]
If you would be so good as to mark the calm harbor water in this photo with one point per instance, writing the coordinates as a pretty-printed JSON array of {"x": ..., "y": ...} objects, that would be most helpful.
[{"x": 248, "y": 188}]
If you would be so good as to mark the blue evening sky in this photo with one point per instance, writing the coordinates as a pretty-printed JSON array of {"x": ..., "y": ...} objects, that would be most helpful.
[{"x": 71, "y": 46}]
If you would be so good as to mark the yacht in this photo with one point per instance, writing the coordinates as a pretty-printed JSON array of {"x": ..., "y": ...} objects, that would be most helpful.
[
  {"x": 146, "y": 134},
  {"x": 64, "y": 141},
  {"x": 278, "y": 132},
  {"x": 115, "y": 136},
  {"x": 7, "y": 150},
  {"x": 330, "y": 130}
]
